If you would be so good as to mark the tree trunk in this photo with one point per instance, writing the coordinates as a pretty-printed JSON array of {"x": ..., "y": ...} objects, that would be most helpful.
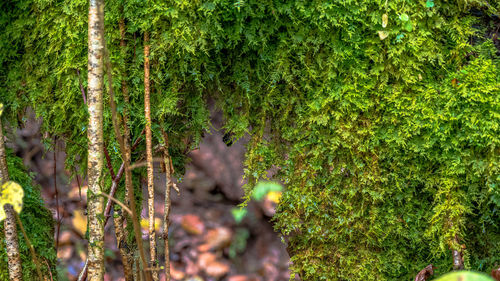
[
  {"x": 128, "y": 260},
  {"x": 95, "y": 140},
  {"x": 458, "y": 262},
  {"x": 125, "y": 150},
  {"x": 166, "y": 213},
  {"x": 11, "y": 243},
  {"x": 121, "y": 241},
  {"x": 149, "y": 159}
]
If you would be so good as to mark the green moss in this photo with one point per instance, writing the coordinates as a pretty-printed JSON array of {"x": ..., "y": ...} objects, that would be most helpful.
[
  {"x": 38, "y": 223},
  {"x": 389, "y": 149}
]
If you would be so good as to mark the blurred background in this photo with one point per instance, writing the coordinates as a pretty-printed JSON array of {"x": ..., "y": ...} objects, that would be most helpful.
[{"x": 211, "y": 238}]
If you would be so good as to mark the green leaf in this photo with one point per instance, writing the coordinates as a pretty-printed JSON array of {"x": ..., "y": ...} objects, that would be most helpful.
[
  {"x": 408, "y": 26},
  {"x": 262, "y": 188},
  {"x": 429, "y": 3},
  {"x": 404, "y": 17},
  {"x": 238, "y": 214}
]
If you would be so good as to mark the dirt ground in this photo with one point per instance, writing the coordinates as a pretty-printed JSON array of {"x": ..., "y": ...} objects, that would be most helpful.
[{"x": 206, "y": 242}]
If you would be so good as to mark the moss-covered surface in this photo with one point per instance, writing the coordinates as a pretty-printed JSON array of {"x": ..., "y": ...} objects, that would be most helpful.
[
  {"x": 38, "y": 223},
  {"x": 385, "y": 135}
]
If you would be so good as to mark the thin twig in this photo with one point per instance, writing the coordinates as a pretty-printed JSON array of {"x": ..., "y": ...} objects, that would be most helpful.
[
  {"x": 78, "y": 181},
  {"x": 50, "y": 271},
  {"x": 144, "y": 163},
  {"x": 30, "y": 247},
  {"x": 83, "y": 274},
  {"x": 116, "y": 201},
  {"x": 112, "y": 191},
  {"x": 108, "y": 162},
  {"x": 81, "y": 86},
  {"x": 58, "y": 227}
]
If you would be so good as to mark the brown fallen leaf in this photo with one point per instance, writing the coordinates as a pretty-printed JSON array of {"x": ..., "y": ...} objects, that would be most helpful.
[
  {"x": 191, "y": 267},
  {"x": 65, "y": 252},
  {"x": 242, "y": 278},
  {"x": 237, "y": 278},
  {"x": 205, "y": 259},
  {"x": 425, "y": 273},
  {"x": 65, "y": 238},
  {"x": 217, "y": 238},
  {"x": 217, "y": 269},
  {"x": 192, "y": 224},
  {"x": 176, "y": 274}
]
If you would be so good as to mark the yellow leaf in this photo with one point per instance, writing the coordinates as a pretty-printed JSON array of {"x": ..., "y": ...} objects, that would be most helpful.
[
  {"x": 145, "y": 224},
  {"x": 79, "y": 222},
  {"x": 385, "y": 20},
  {"x": 383, "y": 34},
  {"x": 11, "y": 193},
  {"x": 274, "y": 196}
]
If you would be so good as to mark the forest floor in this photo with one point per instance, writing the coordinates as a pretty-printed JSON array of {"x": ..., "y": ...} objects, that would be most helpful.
[{"x": 206, "y": 242}]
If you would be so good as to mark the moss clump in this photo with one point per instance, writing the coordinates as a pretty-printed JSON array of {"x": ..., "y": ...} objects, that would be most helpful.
[{"x": 38, "y": 223}]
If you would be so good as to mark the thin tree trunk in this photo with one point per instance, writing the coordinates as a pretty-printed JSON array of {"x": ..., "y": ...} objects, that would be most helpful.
[
  {"x": 121, "y": 241},
  {"x": 149, "y": 159},
  {"x": 126, "y": 154},
  {"x": 12, "y": 245},
  {"x": 458, "y": 262},
  {"x": 126, "y": 99},
  {"x": 83, "y": 273},
  {"x": 96, "y": 140},
  {"x": 127, "y": 253},
  {"x": 120, "y": 231},
  {"x": 166, "y": 213}
]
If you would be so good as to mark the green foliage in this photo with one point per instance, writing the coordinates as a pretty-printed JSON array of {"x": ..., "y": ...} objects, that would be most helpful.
[
  {"x": 38, "y": 223},
  {"x": 381, "y": 117},
  {"x": 239, "y": 214}
]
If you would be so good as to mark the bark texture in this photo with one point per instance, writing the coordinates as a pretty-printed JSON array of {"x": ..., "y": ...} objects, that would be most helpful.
[
  {"x": 121, "y": 241},
  {"x": 458, "y": 262},
  {"x": 126, "y": 143},
  {"x": 95, "y": 140},
  {"x": 149, "y": 160},
  {"x": 425, "y": 273},
  {"x": 125, "y": 150},
  {"x": 166, "y": 213},
  {"x": 123, "y": 169},
  {"x": 11, "y": 242}
]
